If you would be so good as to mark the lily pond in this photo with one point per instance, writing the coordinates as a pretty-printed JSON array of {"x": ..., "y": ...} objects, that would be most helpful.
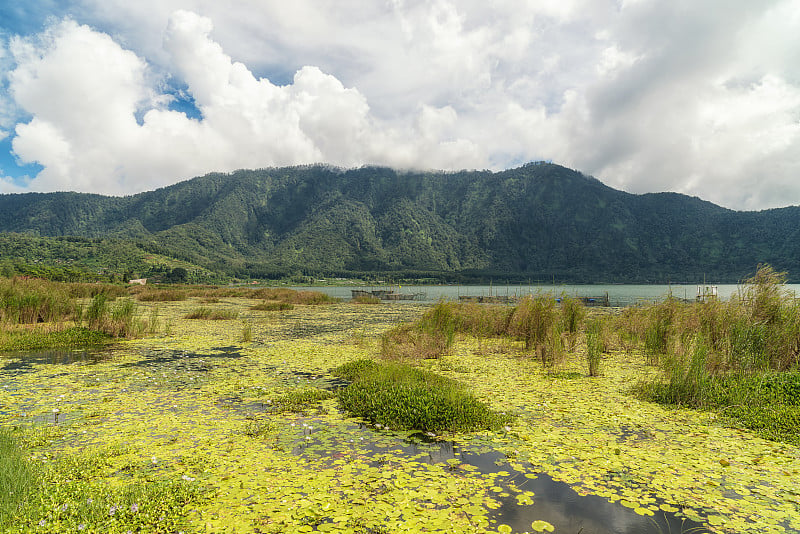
[{"x": 201, "y": 408}]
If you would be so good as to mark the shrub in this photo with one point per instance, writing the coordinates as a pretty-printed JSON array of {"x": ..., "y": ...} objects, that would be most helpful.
[{"x": 403, "y": 397}]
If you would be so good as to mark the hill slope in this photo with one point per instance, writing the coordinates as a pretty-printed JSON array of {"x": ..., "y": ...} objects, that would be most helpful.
[{"x": 537, "y": 221}]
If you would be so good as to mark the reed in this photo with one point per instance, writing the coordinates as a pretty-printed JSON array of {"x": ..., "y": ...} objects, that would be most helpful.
[
  {"x": 268, "y": 305},
  {"x": 595, "y": 345},
  {"x": 211, "y": 314}
]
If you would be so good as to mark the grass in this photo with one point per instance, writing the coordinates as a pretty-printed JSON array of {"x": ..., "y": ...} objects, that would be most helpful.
[
  {"x": 211, "y": 314},
  {"x": 272, "y": 306},
  {"x": 16, "y": 478},
  {"x": 399, "y": 396},
  {"x": 38, "y": 314},
  {"x": 365, "y": 299},
  {"x": 65, "y": 494},
  {"x": 595, "y": 345},
  {"x": 72, "y": 337},
  {"x": 162, "y": 295},
  {"x": 727, "y": 356}
]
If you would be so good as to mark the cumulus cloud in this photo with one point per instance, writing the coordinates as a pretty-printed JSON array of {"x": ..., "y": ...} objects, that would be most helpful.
[
  {"x": 88, "y": 137},
  {"x": 647, "y": 95}
]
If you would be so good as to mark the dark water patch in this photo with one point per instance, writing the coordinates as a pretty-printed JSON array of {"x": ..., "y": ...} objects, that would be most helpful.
[
  {"x": 552, "y": 501},
  {"x": 25, "y": 362},
  {"x": 633, "y": 433},
  {"x": 182, "y": 360}
]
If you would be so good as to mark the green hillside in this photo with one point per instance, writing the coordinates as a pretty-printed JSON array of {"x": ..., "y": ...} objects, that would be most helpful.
[{"x": 539, "y": 221}]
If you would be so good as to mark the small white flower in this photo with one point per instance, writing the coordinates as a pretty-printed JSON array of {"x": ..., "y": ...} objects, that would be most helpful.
[
  {"x": 154, "y": 460},
  {"x": 187, "y": 478}
]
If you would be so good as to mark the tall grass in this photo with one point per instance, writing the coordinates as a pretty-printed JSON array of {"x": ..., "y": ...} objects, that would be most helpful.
[
  {"x": 64, "y": 495},
  {"x": 709, "y": 351},
  {"x": 211, "y": 314},
  {"x": 547, "y": 330},
  {"x": 35, "y": 301},
  {"x": 16, "y": 478},
  {"x": 595, "y": 345}
]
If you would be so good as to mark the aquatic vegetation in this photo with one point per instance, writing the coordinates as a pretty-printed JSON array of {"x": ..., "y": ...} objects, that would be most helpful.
[
  {"x": 247, "y": 332},
  {"x": 76, "y": 336},
  {"x": 365, "y": 299},
  {"x": 429, "y": 337},
  {"x": 193, "y": 409},
  {"x": 24, "y": 301},
  {"x": 298, "y": 399},
  {"x": 399, "y": 396}
]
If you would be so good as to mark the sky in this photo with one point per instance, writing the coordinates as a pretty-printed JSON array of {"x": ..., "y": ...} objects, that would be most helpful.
[{"x": 118, "y": 97}]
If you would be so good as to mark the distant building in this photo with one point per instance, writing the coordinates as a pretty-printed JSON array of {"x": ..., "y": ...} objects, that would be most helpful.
[{"x": 140, "y": 281}]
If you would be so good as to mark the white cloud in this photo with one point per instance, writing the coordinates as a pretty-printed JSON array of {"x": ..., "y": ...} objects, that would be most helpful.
[
  {"x": 649, "y": 95},
  {"x": 88, "y": 137}
]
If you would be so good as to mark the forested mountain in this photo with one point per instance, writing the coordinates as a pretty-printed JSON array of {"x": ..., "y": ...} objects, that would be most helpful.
[{"x": 539, "y": 221}]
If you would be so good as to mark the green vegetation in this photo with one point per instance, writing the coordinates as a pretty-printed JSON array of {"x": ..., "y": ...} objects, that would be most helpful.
[
  {"x": 38, "y": 314},
  {"x": 211, "y": 314},
  {"x": 272, "y": 306},
  {"x": 365, "y": 299},
  {"x": 534, "y": 222},
  {"x": 73, "y": 337},
  {"x": 402, "y": 397},
  {"x": 299, "y": 399},
  {"x": 198, "y": 406},
  {"x": 67, "y": 494},
  {"x": 731, "y": 357},
  {"x": 595, "y": 345}
]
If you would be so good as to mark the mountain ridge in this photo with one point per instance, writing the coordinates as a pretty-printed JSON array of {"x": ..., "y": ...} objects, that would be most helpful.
[{"x": 538, "y": 220}]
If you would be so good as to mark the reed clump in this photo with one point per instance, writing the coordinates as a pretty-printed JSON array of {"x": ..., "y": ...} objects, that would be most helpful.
[
  {"x": 271, "y": 305},
  {"x": 162, "y": 295},
  {"x": 365, "y": 299},
  {"x": 211, "y": 314},
  {"x": 430, "y": 337},
  {"x": 724, "y": 356},
  {"x": 24, "y": 301}
]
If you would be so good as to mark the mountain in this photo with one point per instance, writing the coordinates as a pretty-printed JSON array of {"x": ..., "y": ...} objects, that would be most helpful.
[{"x": 538, "y": 221}]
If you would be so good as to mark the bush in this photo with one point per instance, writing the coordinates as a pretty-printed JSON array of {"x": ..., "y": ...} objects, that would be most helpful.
[{"x": 403, "y": 397}]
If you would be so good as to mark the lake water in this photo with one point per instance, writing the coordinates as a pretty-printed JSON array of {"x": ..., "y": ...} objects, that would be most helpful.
[{"x": 618, "y": 294}]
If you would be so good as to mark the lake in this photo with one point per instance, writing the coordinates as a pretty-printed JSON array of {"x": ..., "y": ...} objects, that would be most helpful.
[{"x": 618, "y": 294}]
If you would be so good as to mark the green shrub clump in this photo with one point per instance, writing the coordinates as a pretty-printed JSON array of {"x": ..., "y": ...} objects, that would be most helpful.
[{"x": 407, "y": 398}]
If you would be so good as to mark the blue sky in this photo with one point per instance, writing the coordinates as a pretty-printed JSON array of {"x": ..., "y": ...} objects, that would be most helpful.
[{"x": 115, "y": 97}]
